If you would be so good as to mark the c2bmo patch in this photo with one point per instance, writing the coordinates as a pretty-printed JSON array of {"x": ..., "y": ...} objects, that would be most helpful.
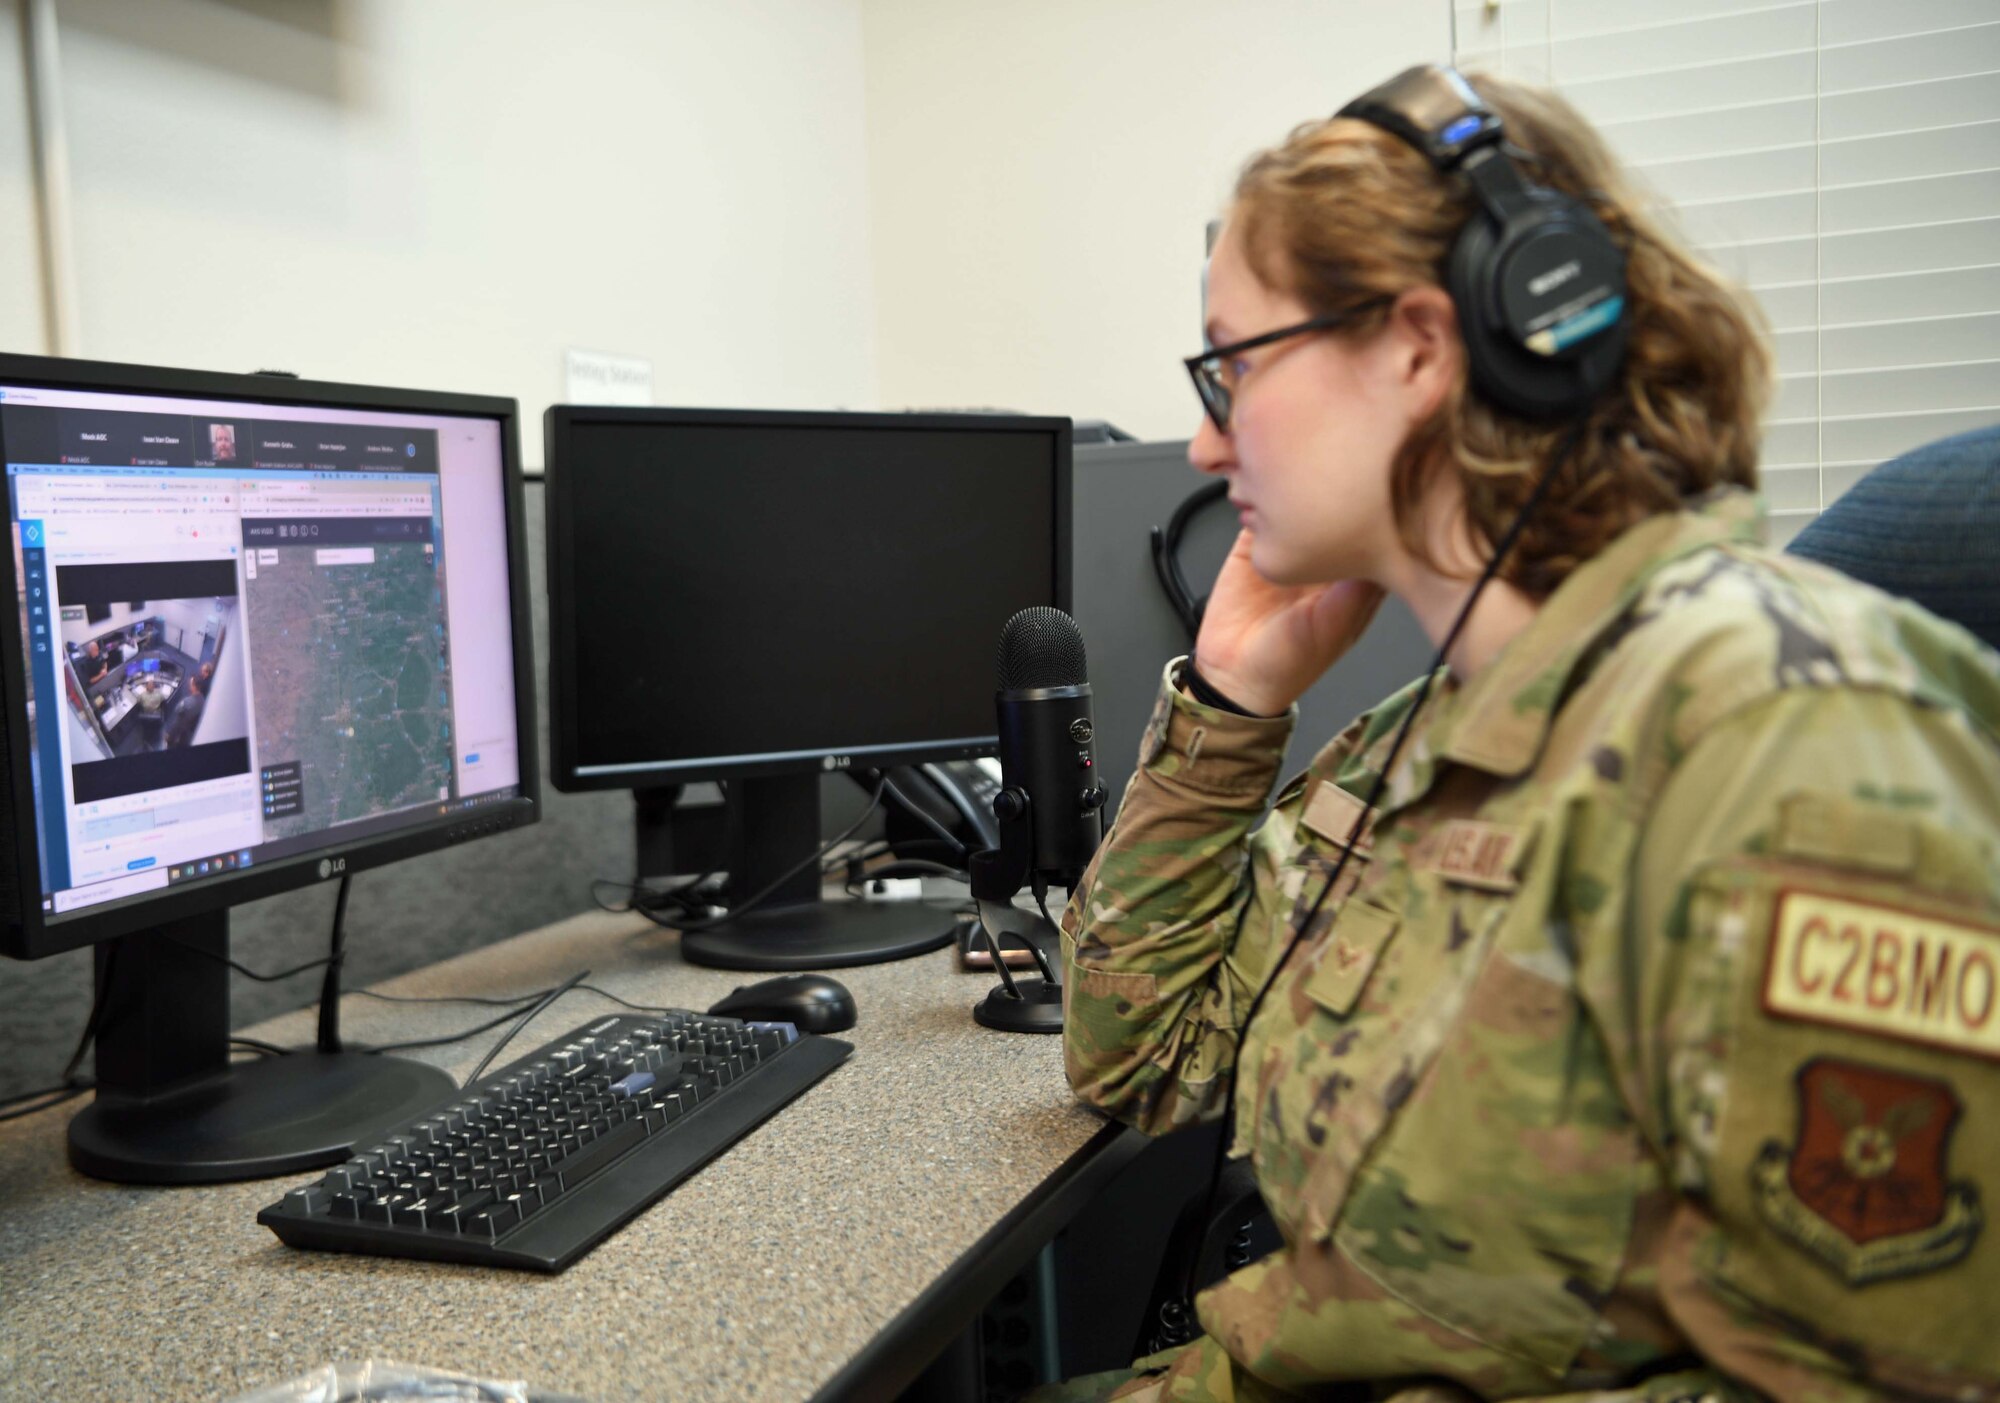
[
  {"x": 1864, "y": 1186},
  {"x": 1890, "y": 971}
]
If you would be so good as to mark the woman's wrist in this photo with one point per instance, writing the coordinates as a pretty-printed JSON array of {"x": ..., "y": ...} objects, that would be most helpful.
[{"x": 1205, "y": 691}]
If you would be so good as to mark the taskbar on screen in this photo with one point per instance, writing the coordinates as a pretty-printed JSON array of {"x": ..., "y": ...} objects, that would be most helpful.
[{"x": 195, "y": 869}]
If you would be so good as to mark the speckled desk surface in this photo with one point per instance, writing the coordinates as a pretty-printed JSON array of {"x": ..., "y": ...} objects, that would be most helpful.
[{"x": 759, "y": 1278}]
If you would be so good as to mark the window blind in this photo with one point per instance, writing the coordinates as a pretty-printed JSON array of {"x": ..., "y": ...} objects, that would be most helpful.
[{"x": 1842, "y": 159}]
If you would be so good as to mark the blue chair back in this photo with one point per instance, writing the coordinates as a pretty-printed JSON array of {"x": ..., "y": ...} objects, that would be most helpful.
[{"x": 1925, "y": 526}]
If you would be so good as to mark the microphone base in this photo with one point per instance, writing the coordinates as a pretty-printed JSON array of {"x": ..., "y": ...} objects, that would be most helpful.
[{"x": 1038, "y": 1010}]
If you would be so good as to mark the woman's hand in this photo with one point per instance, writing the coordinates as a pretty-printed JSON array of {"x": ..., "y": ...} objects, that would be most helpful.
[{"x": 1262, "y": 645}]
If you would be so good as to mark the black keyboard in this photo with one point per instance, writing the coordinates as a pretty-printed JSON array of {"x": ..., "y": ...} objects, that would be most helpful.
[{"x": 535, "y": 1164}]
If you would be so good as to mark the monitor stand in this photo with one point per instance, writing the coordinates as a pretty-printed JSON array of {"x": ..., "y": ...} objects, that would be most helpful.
[
  {"x": 792, "y": 929},
  {"x": 172, "y": 1108}
]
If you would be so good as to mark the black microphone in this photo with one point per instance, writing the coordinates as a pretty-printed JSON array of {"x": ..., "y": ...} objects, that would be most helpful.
[
  {"x": 1050, "y": 807},
  {"x": 1048, "y": 760}
]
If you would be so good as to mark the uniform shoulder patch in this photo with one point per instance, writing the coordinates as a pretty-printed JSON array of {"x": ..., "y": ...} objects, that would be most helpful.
[
  {"x": 1892, "y": 971},
  {"x": 1864, "y": 1187}
]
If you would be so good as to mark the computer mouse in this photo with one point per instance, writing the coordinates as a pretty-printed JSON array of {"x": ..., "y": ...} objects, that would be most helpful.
[{"x": 812, "y": 1003}]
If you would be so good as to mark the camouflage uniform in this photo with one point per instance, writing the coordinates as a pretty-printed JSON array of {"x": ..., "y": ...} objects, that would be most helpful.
[{"x": 1648, "y": 1050}]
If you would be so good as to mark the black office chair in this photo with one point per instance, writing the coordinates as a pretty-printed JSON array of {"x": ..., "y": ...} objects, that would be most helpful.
[
  {"x": 1924, "y": 526},
  {"x": 1204, "y": 1246}
]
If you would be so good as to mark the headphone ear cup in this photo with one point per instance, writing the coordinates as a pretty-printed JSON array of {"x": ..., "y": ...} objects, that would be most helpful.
[
  {"x": 1505, "y": 372},
  {"x": 1468, "y": 280}
]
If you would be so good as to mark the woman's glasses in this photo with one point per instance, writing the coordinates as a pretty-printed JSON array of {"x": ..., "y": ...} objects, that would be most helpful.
[{"x": 1215, "y": 378}]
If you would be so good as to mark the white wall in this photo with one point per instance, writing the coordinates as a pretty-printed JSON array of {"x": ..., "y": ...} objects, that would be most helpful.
[
  {"x": 802, "y": 203},
  {"x": 184, "y": 619},
  {"x": 448, "y": 193},
  {"x": 21, "y": 324},
  {"x": 1043, "y": 171}
]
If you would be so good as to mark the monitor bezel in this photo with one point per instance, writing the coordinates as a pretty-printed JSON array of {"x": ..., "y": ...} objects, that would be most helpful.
[
  {"x": 30, "y": 932},
  {"x": 564, "y": 737}
]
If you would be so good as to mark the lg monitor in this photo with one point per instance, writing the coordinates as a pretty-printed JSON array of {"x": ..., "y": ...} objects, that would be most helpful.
[
  {"x": 327, "y": 668},
  {"x": 764, "y": 598}
]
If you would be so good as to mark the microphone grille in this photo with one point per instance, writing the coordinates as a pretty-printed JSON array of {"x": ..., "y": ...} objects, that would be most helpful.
[{"x": 1041, "y": 647}]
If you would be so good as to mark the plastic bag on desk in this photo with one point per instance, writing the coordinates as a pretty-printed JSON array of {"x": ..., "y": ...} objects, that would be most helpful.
[{"x": 370, "y": 1380}]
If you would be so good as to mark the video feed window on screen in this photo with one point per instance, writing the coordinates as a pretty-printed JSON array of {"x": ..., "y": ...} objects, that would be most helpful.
[
  {"x": 138, "y": 674},
  {"x": 246, "y": 615}
]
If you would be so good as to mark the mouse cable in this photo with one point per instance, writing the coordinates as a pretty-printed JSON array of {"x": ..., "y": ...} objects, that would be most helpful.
[
  {"x": 513, "y": 1005},
  {"x": 447, "y": 1039},
  {"x": 492, "y": 1001},
  {"x": 750, "y": 903},
  {"x": 525, "y": 1020},
  {"x": 514, "y": 1001},
  {"x": 1559, "y": 460}
]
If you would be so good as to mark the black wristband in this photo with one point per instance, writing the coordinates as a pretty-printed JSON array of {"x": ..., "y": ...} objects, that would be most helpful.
[{"x": 1205, "y": 692}]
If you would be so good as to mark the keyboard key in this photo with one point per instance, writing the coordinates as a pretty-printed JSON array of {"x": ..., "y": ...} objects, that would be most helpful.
[
  {"x": 309, "y": 1200},
  {"x": 454, "y": 1216},
  {"x": 577, "y": 1167}
]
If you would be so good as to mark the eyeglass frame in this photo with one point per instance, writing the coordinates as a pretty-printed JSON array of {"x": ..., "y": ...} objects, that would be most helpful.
[{"x": 1208, "y": 386}]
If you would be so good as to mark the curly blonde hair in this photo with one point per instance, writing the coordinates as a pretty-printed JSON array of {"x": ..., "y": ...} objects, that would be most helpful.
[{"x": 1344, "y": 212}]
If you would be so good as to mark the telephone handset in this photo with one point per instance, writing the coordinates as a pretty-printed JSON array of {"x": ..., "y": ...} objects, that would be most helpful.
[{"x": 942, "y": 811}]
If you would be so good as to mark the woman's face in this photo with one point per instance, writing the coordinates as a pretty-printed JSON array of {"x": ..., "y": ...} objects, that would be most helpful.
[{"x": 1316, "y": 422}]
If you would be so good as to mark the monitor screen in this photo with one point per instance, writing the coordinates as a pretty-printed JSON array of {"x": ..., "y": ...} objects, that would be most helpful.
[
  {"x": 736, "y": 593},
  {"x": 253, "y": 631}
]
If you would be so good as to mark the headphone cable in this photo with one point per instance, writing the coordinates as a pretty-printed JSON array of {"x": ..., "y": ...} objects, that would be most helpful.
[{"x": 1565, "y": 450}]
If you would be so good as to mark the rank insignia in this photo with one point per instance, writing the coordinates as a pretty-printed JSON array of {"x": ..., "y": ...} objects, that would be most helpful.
[{"x": 1864, "y": 1187}]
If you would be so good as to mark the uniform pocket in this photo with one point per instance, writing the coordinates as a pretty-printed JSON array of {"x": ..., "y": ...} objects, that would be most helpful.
[
  {"x": 1368, "y": 1018},
  {"x": 1500, "y": 1202}
]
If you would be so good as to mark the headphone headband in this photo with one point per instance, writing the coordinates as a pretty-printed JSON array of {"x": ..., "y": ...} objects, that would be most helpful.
[{"x": 1435, "y": 110}]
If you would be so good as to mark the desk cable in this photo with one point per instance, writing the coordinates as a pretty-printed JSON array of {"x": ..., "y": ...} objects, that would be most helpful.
[
  {"x": 71, "y": 1085},
  {"x": 750, "y": 903}
]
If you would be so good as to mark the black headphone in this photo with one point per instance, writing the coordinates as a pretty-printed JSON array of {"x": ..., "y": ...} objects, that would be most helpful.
[
  {"x": 1188, "y": 606},
  {"x": 1537, "y": 280}
]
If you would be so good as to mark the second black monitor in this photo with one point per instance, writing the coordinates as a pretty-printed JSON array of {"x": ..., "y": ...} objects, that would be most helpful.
[{"x": 752, "y": 595}]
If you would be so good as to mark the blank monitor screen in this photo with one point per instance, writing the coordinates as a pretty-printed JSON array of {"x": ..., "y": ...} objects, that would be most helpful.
[
  {"x": 739, "y": 593},
  {"x": 252, "y": 631}
]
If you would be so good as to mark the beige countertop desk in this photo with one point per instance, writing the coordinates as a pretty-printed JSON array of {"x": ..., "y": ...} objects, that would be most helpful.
[{"x": 830, "y": 1254}]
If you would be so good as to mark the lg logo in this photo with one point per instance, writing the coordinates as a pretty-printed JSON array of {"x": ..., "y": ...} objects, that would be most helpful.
[
  {"x": 330, "y": 865},
  {"x": 837, "y": 762}
]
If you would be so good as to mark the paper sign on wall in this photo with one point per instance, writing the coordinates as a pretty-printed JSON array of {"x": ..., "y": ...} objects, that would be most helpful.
[{"x": 596, "y": 377}]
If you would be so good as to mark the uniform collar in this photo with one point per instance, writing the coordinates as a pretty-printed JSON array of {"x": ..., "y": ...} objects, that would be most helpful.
[{"x": 1498, "y": 721}]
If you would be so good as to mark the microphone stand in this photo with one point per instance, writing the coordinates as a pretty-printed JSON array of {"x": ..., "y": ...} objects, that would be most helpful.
[{"x": 1024, "y": 1005}]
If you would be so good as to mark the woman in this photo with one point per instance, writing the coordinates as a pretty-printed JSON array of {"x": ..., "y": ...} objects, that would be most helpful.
[{"x": 1576, "y": 1079}]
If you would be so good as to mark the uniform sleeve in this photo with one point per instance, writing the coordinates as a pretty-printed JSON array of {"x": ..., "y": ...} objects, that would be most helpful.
[
  {"x": 1798, "y": 1009},
  {"x": 1152, "y": 994}
]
